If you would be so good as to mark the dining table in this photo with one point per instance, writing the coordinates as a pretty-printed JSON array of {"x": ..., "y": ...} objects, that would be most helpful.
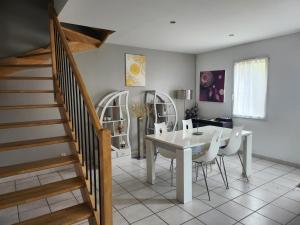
[{"x": 182, "y": 143}]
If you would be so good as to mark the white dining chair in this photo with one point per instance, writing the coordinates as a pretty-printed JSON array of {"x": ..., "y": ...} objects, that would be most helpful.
[
  {"x": 187, "y": 125},
  {"x": 160, "y": 129},
  {"x": 232, "y": 148},
  {"x": 210, "y": 156}
]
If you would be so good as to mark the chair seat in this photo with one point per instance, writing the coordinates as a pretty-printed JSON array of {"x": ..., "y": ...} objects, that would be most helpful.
[
  {"x": 198, "y": 157},
  {"x": 167, "y": 154},
  {"x": 223, "y": 152}
]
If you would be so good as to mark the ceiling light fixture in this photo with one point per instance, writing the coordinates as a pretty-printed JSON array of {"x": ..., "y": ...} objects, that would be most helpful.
[
  {"x": 172, "y": 22},
  {"x": 231, "y": 35}
]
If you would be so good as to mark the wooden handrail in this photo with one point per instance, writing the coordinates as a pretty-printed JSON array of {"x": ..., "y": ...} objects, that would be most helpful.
[
  {"x": 84, "y": 92},
  {"x": 91, "y": 141}
]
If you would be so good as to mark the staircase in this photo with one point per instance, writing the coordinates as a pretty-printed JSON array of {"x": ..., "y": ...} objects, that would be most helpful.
[{"x": 89, "y": 144}]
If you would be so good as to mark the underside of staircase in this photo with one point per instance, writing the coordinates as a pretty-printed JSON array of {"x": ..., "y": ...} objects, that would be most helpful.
[{"x": 79, "y": 131}]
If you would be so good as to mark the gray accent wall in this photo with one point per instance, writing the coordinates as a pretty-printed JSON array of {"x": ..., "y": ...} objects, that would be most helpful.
[
  {"x": 277, "y": 136},
  {"x": 103, "y": 71}
]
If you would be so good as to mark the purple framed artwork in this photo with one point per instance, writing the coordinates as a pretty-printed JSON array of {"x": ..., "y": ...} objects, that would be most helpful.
[{"x": 212, "y": 86}]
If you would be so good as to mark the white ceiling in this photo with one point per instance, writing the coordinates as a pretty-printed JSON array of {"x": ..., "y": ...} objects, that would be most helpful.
[{"x": 202, "y": 25}]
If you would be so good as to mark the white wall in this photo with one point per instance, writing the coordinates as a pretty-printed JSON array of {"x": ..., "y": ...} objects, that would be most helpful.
[{"x": 278, "y": 135}]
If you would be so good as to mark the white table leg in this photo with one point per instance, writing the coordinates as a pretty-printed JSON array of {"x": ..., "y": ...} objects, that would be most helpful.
[
  {"x": 184, "y": 175},
  {"x": 150, "y": 162},
  {"x": 247, "y": 154}
]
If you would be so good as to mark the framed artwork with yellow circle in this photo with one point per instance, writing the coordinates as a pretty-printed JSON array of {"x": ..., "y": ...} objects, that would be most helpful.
[{"x": 135, "y": 70}]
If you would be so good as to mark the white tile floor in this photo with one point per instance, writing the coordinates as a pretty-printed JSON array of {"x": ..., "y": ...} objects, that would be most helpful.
[{"x": 270, "y": 197}]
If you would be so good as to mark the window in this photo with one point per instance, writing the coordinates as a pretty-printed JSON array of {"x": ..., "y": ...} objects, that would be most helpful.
[{"x": 250, "y": 88}]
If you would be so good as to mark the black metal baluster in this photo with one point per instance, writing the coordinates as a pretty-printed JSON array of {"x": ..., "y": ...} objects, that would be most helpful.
[
  {"x": 68, "y": 87},
  {"x": 94, "y": 160},
  {"x": 97, "y": 195},
  {"x": 65, "y": 78},
  {"x": 90, "y": 150},
  {"x": 72, "y": 101},
  {"x": 85, "y": 142},
  {"x": 78, "y": 116},
  {"x": 58, "y": 61},
  {"x": 56, "y": 52},
  {"x": 81, "y": 129},
  {"x": 61, "y": 66},
  {"x": 76, "y": 110},
  {"x": 62, "y": 75}
]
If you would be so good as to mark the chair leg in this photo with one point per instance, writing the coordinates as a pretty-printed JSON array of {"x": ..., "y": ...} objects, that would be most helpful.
[
  {"x": 206, "y": 169},
  {"x": 227, "y": 187},
  {"x": 244, "y": 171},
  {"x": 221, "y": 173},
  {"x": 172, "y": 170},
  {"x": 205, "y": 182},
  {"x": 196, "y": 170}
]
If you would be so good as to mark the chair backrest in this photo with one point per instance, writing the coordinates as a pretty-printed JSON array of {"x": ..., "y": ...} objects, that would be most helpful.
[
  {"x": 187, "y": 125},
  {"x": 235, "y": 141},
  {"x": 214, "y": 147},
  {"x": 160, "y": 128}
]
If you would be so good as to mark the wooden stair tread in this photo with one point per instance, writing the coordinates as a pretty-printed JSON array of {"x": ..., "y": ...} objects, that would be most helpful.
[
  {"x": 26, "y": 65},
  {"x": 31, "y": 123},
  {"x": 66, "y": 216},
  {"x": 34, "y": 143},
  {"x": 38, "y": 106},
  {"x": 18, "y": 169},
  {"x": 25, "y": 91},
  {"x": 40, "y": 192},
  {"x": 24, "y": 78}
]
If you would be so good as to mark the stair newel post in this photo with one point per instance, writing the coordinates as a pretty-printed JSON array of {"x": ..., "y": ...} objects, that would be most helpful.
[{"x": 105, "y": 175}]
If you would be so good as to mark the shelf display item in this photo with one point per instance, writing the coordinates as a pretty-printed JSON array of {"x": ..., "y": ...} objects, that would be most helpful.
[
  {"x": 161, "y": 109},
  {"x": 114, "y": 115}
]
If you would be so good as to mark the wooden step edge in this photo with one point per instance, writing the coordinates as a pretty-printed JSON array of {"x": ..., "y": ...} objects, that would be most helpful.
[
  {"x": 31, "y": 123},
  {"x": 27, "y": 65},
  {"x": 34, "y": 54},
  {"x": 32, "y": 143},
  {"x": 36, "y": 193},
  {"x": 25, "y": 91},
  {"x": 25, "y": 78},
  {"x": 7, "y": 171},
  {"x": 39, "y": 106},
  {"x": 66, "y": 216}
]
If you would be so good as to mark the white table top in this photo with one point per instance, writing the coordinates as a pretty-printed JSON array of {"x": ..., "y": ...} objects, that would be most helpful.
[{"x": 181, "y": 140}]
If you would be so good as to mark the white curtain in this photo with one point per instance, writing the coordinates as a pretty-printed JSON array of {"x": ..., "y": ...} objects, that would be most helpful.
[{"x": 250, "y": 88}]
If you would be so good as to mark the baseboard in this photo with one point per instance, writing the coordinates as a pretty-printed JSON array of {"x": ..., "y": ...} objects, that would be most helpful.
[{"x": 277, "y": 160}]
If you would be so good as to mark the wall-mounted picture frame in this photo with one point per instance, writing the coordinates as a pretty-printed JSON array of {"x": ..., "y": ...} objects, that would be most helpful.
[
  {"x": 135, "y": 67},
  {"x": 212, "y": 86}
]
